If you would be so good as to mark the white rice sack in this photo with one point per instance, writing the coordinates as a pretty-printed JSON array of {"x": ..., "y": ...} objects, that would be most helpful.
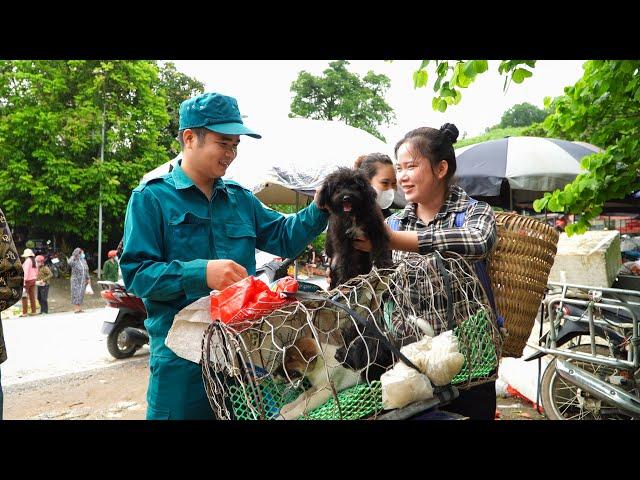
[
  {"x": 403, "y": 385},
  {"x": 444, "y": 360}
]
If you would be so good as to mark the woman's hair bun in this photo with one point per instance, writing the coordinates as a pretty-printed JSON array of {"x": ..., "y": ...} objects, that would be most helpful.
[{"x": 450, "y": 131}]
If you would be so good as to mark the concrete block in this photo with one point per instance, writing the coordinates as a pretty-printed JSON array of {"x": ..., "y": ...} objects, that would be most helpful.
[{"x": 592, "y": 258}]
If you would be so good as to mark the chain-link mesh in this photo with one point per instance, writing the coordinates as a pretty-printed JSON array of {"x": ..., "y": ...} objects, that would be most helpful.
[{"x": 311, "y": 359}]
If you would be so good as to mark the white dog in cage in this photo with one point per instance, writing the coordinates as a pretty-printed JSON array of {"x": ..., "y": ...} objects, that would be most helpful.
[{"x": 306, "y": 359}]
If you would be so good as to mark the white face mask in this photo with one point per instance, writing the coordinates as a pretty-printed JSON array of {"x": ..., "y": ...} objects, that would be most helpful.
[{"x": 385, "y": 198}]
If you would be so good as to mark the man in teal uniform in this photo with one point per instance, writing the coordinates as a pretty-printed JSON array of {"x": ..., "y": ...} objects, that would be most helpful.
[{"x": 189, "y": 232}]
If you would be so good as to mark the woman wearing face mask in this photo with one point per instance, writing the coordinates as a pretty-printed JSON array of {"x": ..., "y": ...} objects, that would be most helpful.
[
  {"x": 378, "y": 168},
  {"x": 426, "y": 164},
  {"x": 79, "y": 278}
]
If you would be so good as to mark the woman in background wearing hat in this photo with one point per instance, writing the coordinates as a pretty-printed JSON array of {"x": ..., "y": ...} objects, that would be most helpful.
[
  {"x": 42, "y": 282},
  {"x": 79, "y": 278},
  {"x": 110, "y": 267},
  {"x": 30, "y": 276}
]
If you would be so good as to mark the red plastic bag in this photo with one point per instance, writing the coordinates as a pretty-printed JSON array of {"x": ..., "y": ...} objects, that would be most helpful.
[{"x": 249, "y": 299}]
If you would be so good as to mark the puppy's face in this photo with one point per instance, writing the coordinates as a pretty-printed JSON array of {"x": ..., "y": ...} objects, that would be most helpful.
[
  {"x": 299, "y": 359},
  {"x": 347, "y": 192}
]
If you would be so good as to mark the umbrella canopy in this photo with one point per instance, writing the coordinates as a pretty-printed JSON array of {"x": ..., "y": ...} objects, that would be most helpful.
[
  {"x": 293, "y": 157},
  {"x": 527, "y": 163}
]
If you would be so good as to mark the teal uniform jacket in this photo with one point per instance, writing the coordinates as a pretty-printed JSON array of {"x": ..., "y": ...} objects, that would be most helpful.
[{"x": 171, "y": 231}]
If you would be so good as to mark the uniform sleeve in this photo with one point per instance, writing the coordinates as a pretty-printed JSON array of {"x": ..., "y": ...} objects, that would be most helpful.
[
  {"x": 11, "y": 273},
  {"x": 287, "y": 236},
  {"x": 144, "y": 270},
  {"x": 473, "y": 240}
]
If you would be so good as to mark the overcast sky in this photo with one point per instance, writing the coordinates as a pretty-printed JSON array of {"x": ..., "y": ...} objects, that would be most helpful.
[{"x": 262, "y": 90}]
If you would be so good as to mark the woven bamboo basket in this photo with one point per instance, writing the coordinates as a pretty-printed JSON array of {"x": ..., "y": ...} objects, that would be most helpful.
[{"x": 519, "y": 267}]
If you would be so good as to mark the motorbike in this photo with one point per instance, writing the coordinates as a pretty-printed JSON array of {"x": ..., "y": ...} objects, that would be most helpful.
[
  {"x": 125, "y": 332},
  {"x": 594, "y": 341}
]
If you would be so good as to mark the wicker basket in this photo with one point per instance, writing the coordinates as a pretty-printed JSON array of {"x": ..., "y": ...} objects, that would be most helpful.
[{"x": 519, "y": 268}]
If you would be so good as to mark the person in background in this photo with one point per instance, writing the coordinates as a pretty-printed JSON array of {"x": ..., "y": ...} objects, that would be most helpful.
[
  {"x": 379, "y": 169},
  {"x": 42, "y": 284},
  {"x": 561, "y": 223},
  {"x": 30, "y": 275},
  {"x": 118, "y": 257},
  {"x": 11, "y": 282},
  {"x": 110, "y": 267},
  {"x": 79, "y": 278}
]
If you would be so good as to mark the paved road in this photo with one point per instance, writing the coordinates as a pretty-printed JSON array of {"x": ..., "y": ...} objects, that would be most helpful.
[{"x": 57, "y": 344}]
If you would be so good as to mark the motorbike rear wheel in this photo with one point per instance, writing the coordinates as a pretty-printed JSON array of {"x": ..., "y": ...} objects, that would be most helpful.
[
  {"x": 562, "y": 400},
  {"x": 116, "y": 341}
]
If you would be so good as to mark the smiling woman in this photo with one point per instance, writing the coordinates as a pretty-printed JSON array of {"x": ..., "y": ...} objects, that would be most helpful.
[{"x": 440, "y": 216}]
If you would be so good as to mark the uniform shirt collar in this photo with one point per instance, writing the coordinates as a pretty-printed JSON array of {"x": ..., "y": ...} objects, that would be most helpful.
[{"x": 182, "y": 180}]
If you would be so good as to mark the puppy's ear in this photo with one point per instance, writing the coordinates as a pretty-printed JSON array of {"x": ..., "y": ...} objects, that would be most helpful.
[
  {"x": 326, "y": 191},
  {"x": 365, "y": 186}
]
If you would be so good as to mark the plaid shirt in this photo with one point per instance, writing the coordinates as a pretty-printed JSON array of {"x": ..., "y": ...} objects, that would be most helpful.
[{"x": 473, "y": 240}]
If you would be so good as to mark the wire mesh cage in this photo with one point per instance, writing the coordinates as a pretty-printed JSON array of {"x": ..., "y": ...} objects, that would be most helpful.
[{"x": 323, "y": 356}]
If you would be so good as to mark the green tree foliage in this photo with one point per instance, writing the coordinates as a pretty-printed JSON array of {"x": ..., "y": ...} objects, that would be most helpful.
[
  {"x": 176, "y": 87},
  {"x": 452, "y": 76},
  {"x": 602, "y": 108},
  {"x": 51, "y": 116},
  {"x": 522, "y": 115},
  {"x": 342, "y": 95}
]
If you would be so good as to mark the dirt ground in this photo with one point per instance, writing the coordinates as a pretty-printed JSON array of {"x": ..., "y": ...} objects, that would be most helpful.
[
  {"x": 113, "y": 393},
  {"x": 119, "y": 393}
]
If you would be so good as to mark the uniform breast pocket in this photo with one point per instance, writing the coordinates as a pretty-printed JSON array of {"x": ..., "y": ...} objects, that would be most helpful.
[
  {"x": 189, "y": 237},
  {"x": 241, "y": 243}
]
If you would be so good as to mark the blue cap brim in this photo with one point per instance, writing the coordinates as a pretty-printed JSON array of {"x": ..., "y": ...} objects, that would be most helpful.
[{"x": 232, "y": 128}]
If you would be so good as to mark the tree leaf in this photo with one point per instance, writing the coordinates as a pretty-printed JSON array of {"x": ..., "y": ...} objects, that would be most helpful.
[
  {"x": 420, "y": 78},
  {"x": 519, "y": 74}
]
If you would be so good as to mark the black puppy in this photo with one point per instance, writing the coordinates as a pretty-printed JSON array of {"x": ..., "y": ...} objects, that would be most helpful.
[
  {"x": 364, "y": 351},
  {"x": 351, "y": 200}
]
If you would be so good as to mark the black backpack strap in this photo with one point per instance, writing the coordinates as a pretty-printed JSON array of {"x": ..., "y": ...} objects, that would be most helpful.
[{"x": 446, "y": 277}]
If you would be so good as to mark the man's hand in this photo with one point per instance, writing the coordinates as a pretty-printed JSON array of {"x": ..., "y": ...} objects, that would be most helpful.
[{"x": 222, "y": 273}]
